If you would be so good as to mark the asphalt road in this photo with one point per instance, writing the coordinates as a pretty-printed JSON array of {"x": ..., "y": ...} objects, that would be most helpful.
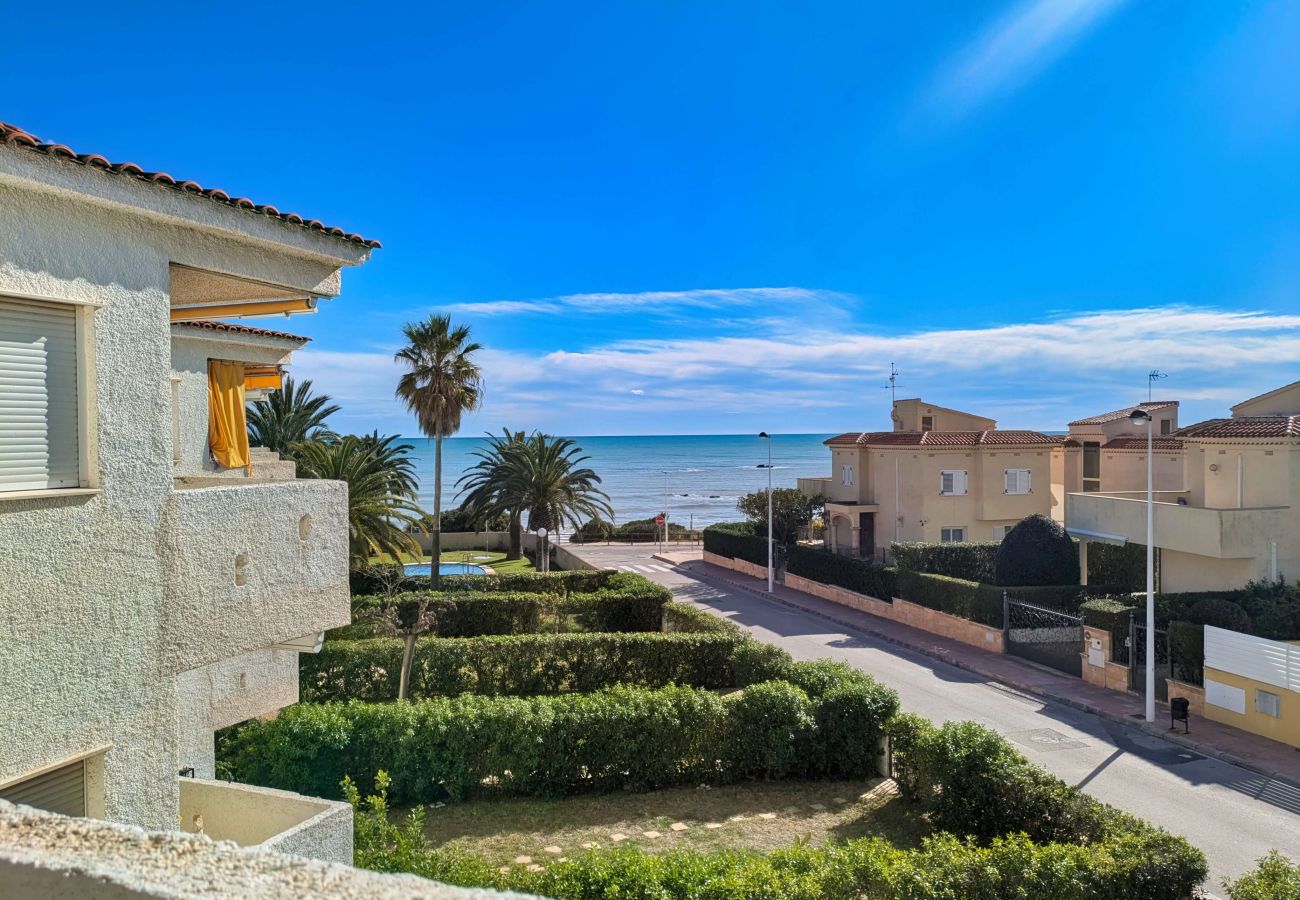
[{"x": 1234, "y": 815}]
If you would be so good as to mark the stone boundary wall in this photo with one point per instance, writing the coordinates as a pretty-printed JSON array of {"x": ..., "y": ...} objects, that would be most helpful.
[
  {"x": 1195, "y": 695},
  {"x": 902, "y": 611}
]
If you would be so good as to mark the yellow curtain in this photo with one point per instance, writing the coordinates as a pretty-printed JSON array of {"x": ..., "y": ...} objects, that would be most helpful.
[{"x": 227, "y": 426}]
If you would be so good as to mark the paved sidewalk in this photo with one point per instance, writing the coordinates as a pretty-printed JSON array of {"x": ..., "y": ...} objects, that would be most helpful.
[{"x": 1270, "y": 758}]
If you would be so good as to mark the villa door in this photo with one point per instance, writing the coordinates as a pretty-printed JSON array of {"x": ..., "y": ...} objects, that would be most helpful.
[{"x": 866, "y": 535}]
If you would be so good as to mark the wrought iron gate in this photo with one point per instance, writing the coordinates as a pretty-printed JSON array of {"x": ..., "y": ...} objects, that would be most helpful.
[
  {"x": 1137, "y": 655},
  {"x": 1046, "y": 636}
]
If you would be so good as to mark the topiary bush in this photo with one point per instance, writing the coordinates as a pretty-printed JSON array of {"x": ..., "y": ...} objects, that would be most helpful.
[
  {"x": 1036, "y": 552},
  {"x": 1219, "y": 613},
  {"x": 769, "y": 731}
]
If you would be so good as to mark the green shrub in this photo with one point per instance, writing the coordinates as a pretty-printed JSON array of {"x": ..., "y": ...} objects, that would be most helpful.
[
  {"x": 531, "y": 664},
  {"x": 966, "y": 599},
  {"x": 1273, "y": 878},
  {"x": 1273, "y": 607},
  {"x": 911, "y": 741},
  {"x": 465, "y": 614},
  {"x": 769, "y": 730},
  {"x": 1187, "y": 651},
  {"x": 1036, "y": 552},
  {"x": 1121, "y": 567},
  {"x": 684, "y": 618},
  {"x": 1219, "y": 613},
  {"x": 621, "y": 737},
  {"x": 736, "y": 540},
  {"x": 969, "y": 562},
  {"x": 860, "y": 575},
  {"x": 388, "y": 578},
  {"x": 851, "y": 721}
]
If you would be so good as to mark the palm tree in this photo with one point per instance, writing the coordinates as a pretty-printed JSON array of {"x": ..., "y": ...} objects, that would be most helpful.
[
  {"x": 441, "y": 384},
  {"x": 489, "y": 489},
  {"x": 538, "y": 475},
  {"x": 381, "y": 490},
  {"x": 289, "y": 415}
]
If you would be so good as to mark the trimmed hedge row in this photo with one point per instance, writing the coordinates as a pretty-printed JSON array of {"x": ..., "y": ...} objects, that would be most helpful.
[
  {"x": 736, "y": 540},
  {"x": 534, "y": 664},
  {"x": 980, "y": 603},
  {"x": 622, "y": 737},
  {"x": 682, "y": 618},
  {"x": 628, "y": 602},
  {"x": 385, "y": 578},
  {"x": 858, "y": 575},
  {"x": 967, "y": 561}
]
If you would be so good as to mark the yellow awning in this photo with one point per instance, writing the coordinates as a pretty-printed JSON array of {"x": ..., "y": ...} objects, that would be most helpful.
[{"x": 262, "y": 378}]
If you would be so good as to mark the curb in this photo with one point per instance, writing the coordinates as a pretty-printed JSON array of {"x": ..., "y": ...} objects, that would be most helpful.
[{"x": 1171, "y": 736}]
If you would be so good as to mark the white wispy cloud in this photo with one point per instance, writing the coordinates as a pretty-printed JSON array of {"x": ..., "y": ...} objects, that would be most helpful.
[
  {"x": 1014, "y": 48},
  {"x": 659, "y": 302},
  {"x": 1036, "y": 374}
]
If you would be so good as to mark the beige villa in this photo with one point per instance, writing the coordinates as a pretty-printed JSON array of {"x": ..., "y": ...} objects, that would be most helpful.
[
  {"x": 159, "y": 578},
  {"x": 1232, "y": 516},
  {"x": 940, "y": 475}
]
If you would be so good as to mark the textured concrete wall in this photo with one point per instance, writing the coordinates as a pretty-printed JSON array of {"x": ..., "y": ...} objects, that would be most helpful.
[
  {"x": 277, "y": 820},
  {"x": 224, "y": 693},
  {"x": 47, "y": 857},
  {"x": 84, "y": 581}
]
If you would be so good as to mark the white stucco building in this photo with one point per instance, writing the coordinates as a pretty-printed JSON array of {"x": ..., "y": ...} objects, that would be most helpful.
[{"x": 149, "y": 595}]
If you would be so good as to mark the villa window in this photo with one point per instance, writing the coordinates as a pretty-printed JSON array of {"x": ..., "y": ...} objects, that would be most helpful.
[
  {"x": 952, "y": 482},
  {"x": 927, "y": 423},
  {"x": 846, "y": 476},
  {"x": 1001, "y": 531},
  {"x": 1017, "y": 481},
  {"x": 1091, "y": 465},
  {"x": 1166, "y": 426},
  {"x": 40, "y": 445},
  {"x": 1268, "y": 703},
  {"x": 952, "y": 535}
]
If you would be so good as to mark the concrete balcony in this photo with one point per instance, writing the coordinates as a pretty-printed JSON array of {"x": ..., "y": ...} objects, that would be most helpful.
[
  {"x": 251, "y": 565},
  {"x": 814, "y": 487},
  {"x": 261, "y": 817},
  {"x": 1217, "y": 533}
]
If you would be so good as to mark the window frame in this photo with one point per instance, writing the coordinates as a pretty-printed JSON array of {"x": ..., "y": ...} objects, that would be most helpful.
[
  {"x": 964, "y": 478},
  {"x": 846, "y": 474},
  {"x": 87, "y": 418},
  {"x": 1274, "y": 701},
  {"x": 950, "y": 529}
]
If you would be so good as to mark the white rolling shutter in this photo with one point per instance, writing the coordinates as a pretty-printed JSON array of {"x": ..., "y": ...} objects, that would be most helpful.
[
  {"x": 62, "y": 791},
  {"x": 38, "y": 396}
]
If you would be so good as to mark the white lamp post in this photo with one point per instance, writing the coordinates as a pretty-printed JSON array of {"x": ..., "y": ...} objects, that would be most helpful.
[
  {"x": 543, "y": 551},
  {"x": 1140, "y": 417},
  {"x": 770, "y": 571}
]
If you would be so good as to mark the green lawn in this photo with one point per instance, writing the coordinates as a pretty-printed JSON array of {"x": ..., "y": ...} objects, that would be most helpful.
[{"x": 760, "y": 816}]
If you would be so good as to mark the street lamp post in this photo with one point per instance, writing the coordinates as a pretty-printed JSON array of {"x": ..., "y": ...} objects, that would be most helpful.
[
  {"x": 770, "y": 571},
  {"x": 543, "y": 551},
  {"x": 1140, "y": 417}
]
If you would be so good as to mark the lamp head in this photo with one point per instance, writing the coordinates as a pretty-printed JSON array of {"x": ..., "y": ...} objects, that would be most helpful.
[
  {"x": 1139, "y": 416},
  {"x": 765, "y": 435}
]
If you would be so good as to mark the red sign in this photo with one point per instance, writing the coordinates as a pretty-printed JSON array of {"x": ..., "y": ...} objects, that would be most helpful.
[{"x": 659, "y": 520}]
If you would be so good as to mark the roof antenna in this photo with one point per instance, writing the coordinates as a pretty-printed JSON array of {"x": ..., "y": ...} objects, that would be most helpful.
[
  {"x": 892, "y": 386},
  {"x": 1152, "y": 377}
]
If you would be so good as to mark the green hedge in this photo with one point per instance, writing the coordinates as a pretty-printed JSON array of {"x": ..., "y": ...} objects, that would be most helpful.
[
  {"x": 1109, "y": 614},
  {"x": 980, "y": 603},
  {"x": 627, "y": 602},
  {"x": 534, "y": 664},
  {"x": 736, "y": 540},
  {"x": 967, "y": 561},
  {"x": 1273, "y": 878},
  {"x": 682, "y": 618},
  {"x": 858, "y": 575},
  {"x": 1123, "y": 566},
  {"x": 622, "y": 737}
]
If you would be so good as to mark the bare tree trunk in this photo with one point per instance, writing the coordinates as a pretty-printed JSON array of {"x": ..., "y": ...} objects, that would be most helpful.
[
  {"x": 436, "y": 538},
  {"x": 408, "y": 652},
  {"x": 516, "y": 537}
]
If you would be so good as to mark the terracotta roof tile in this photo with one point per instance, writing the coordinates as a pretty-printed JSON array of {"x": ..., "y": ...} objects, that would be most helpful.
[
  {"x": 1244, "y": 427},
  {"x": 1140, "y": 443},
  {"x": 231, "y": 328},
  {"x": 995, "y": 438},
  {"x": 12, "y": 134},
  {"x": 1116, "y": 414}
]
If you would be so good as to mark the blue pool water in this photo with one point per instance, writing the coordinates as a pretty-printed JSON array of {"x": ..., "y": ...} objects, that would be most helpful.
[{"x": 444, "y": 569}]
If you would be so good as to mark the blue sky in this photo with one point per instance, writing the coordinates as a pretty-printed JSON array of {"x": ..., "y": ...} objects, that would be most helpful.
[{"x": 725, "y": 217}]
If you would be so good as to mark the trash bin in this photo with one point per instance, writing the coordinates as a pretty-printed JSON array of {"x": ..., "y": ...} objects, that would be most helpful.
[{"x": 1178, "y": 712}]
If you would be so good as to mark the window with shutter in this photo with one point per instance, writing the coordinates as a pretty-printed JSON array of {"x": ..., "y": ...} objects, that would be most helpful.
[
  {"x": 1017, "y": 481},
  {"x": 61, "y": 790},
  {"x": 952, "y": 535},
  {"x": 952, "y": 482},
  {"x": 38, "y": 396}
]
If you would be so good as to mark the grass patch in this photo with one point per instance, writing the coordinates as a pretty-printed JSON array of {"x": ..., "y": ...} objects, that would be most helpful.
[{"x": 758, "y": 816}]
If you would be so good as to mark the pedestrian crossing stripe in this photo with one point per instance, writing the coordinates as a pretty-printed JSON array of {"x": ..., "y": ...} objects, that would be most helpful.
[{"x": 645, "y": 568}]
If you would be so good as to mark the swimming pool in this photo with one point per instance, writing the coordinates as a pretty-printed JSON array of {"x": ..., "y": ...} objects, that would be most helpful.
[{"x": 444, "y": 569}]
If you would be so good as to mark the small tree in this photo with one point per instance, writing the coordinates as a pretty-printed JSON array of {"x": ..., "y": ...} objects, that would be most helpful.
[
  {"x": 407, "y": 617},
  {"x": 792, "y": 510},
  {"x": 1036, "y": 552}
]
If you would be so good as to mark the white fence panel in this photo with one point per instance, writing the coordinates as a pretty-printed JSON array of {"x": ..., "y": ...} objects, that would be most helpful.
[{"x": 1272, "y": 662}]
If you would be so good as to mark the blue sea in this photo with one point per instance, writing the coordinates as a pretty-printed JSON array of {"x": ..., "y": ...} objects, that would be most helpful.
[{"x": 697, "y": 478}]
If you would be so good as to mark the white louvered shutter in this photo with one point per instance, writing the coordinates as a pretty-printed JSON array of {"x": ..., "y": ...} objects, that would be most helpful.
[
  {"x": 62, "y": 791},
  {"x": 38, "y": 396},
  {"x": 1017, "y": 481}
]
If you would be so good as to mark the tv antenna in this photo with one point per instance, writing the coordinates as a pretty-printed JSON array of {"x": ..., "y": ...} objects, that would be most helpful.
[
  {"x": 892, "y": 386},
  {"x": 1152, "y": 377}
]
